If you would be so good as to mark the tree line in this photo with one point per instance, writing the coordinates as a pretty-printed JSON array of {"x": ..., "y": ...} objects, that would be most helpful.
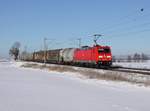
[{"x": 137, "y": 57}]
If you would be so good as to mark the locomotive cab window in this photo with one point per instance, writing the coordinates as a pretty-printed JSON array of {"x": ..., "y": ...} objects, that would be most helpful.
[{"x": 106, "y": 50}]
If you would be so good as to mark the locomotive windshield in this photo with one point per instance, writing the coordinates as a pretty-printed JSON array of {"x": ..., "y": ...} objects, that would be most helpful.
[{"x": 104, "y": 50}]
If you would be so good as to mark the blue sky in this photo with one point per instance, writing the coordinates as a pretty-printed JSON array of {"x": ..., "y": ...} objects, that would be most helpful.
[{"x": 124, "y": 27}]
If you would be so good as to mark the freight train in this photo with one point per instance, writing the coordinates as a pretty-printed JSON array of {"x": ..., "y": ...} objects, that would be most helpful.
[{"x": 85, "y": 56}]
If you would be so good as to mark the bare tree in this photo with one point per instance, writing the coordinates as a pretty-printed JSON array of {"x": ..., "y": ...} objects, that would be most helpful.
[
  {"x": 113, "y": 59},
  {"x": 136, "y": 57},
  {"x": 144, "y": 57},
  {"x": 129, "y": 58},
  {"x": 14, "y": 50}
]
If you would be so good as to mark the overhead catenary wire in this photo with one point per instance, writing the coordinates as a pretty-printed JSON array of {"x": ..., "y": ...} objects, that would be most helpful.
[
  {"x": 121, "y": 20},
  {"x": 126, "y": 24},
  {"x": 131, "y": 27},
  {"x": 129, "y": 33},
  {"x": 63, "y": 43}
]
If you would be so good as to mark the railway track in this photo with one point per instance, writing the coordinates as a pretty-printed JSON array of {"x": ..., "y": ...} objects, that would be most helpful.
[
  {"x": 130, "y": 70},
  {"x": 118, "y": 69},
  {"x": 123, "y": 69}
]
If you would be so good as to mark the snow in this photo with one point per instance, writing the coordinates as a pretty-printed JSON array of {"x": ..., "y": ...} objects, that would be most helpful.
[
  {"x": 23, "y": 89},
  {"x": 3, "y": 60},
  {"x": 134, "y": 64}
]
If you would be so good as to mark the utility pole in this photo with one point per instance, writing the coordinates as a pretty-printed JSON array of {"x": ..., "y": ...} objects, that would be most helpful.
[
  {"x": 45, "y": 50},
  {"x": 79, "y": 39},
  {"x": 25, "y": 49}
]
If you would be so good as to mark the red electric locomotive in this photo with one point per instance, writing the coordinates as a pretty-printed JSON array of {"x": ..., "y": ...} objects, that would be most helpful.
[{"x": 97, "y": 55}]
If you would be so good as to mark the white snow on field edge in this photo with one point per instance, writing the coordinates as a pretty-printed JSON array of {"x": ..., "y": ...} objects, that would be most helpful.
[{"x": 145, "y": 65}]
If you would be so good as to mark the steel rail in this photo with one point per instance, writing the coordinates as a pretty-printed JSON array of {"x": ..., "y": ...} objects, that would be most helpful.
[{"x": 131, "y": 70}]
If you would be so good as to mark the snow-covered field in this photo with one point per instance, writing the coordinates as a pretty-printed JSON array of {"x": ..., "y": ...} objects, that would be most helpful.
[
  {"x": 145, "y": 65},
  {"x": 23, "y": 89}
]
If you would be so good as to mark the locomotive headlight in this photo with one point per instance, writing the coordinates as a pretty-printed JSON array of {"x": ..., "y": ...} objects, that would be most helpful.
[
  {"x": 108, "y": 56},
  {"x": 100, "y": 56}
]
